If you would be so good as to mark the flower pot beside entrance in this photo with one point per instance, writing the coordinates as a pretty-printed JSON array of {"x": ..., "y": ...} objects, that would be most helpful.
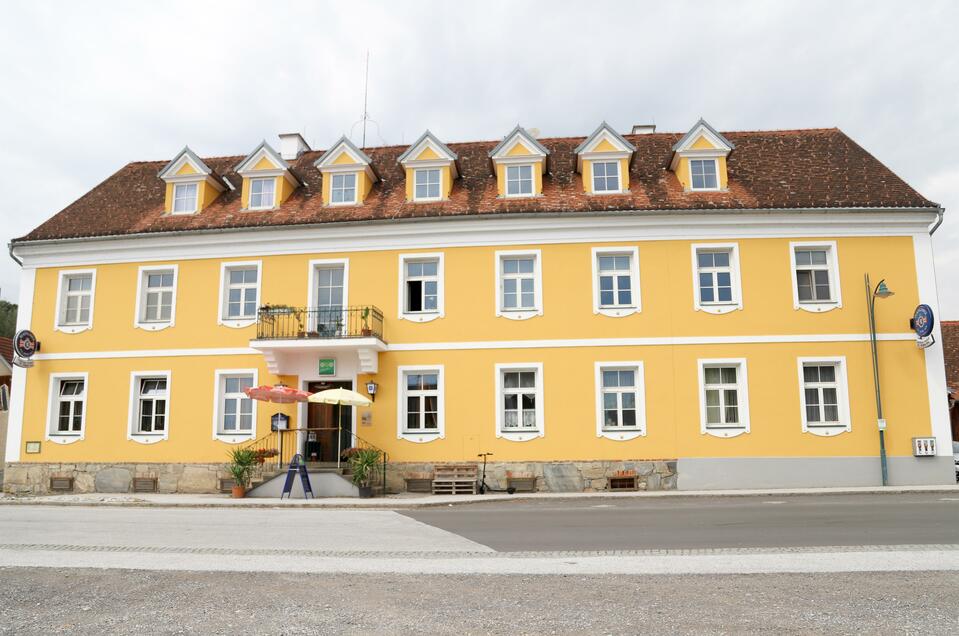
[
  {"x": 242, "y": 463},
  {"x": 364, "y": 463}
]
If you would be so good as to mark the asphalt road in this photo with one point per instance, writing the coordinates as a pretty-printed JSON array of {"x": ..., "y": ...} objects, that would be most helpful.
[{"x": 722, "y": 522}]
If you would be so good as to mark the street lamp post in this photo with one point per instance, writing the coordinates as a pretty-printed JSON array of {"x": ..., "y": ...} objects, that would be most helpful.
[{"x": 881, "y": 291}]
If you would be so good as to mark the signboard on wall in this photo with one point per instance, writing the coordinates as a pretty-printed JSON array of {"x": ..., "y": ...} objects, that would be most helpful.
[
  {"x": 327, "y": 366},
  {"x": 923, "y": 322}
]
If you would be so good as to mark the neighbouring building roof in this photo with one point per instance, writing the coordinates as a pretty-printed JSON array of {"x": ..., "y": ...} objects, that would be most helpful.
[
  {"x": 950, "y": 347},
  {"x": 787, "y": 169}
]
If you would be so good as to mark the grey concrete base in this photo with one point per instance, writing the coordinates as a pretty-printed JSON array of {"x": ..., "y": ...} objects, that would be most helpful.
[
  {"x": 715, "y": 473},
  {"x": 323, "y": 485}
]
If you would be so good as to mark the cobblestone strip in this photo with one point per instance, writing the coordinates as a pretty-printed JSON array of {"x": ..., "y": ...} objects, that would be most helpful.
[{"x": 26, "y": 547}]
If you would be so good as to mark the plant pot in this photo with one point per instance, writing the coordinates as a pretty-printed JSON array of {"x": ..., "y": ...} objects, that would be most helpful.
[
  {"x": 239, "y": 492},
  {"x": 366, "y": 492}
]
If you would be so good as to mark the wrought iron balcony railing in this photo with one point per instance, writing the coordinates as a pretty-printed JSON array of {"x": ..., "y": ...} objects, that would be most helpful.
[{"x": 281, "y": 322}]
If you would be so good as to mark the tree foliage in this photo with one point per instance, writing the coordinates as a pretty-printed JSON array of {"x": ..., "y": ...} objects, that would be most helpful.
[{"x": 8, "y": 318}]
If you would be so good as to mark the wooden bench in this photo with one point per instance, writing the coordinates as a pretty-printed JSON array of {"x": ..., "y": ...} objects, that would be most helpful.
[
  {"x": 623, "y": 480},
  {"x": 454, "y": 479},
  {"x": 522, "y": 482},
  {"x": 419, "y": 482}
]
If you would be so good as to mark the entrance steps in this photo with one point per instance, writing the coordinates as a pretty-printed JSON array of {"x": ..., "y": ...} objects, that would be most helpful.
[{"x": 326, "y": 481}]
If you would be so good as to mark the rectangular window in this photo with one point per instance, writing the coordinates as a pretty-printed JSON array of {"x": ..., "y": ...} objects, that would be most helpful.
[
  {"x": 262, "y": 193},
  {"x": 606, "y": 176},
  {"x": 519, "y": 283},
  {"x": 620, "y": 398},
  {"x": 69, "y": 405},
  {"x": 236, "y": 408},
  {"x": 241, "y": 292},
  {"x": 184, "y": 198},
  {"x": 703, "y": 174},
  {"x": 519, "y": 181},
  {"x": 152, "y": 400},
  {"x": 715, "y": 276},
  {"x": 422, "y": 401},
  {"x": 76, "y": 299},
  {"x": 427, "y": 184},
  {"x": 343, "y": 188},
  {"x": 422, "y": 286},
  {"x": 723, "y": 397},
  {"x": 812, "y": 275},
  {"x": 519, "y": 400},
  {"x": 158, "y": 289},
  {"x": 330, "y": 295},
  {"x": 824, "y": 396},
  {"x": 615, "y": 280}
]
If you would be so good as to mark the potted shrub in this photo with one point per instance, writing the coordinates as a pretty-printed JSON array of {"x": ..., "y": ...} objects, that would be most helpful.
[
  {"x": 364, "y": 464},
  {"x": 242, "y": 462},
  {"x": 365, "y": 316}
]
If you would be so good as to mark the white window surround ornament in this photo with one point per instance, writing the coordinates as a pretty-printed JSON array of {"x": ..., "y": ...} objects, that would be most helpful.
[
  {"x": 61, "y": 298},
  {"x": 622, "y": 434},
  {"x": 524, "y": 434},
  {"x": 139, "y": 321},
  {"x": 842, "y": 388},
  {"x": 219, "y": 377},
  {"x": 225, "y": 268},
  {"x": 832, "y": 267},
  {"x": 53, "y": 411},
  {"x": 422, "y": 316},
  {"x": 618, "y": 311},
  {"x": 413, "y": 436},
  {"x": 736, "y": 278},
  {"x": 742, "y": 388},
  {"x": 133, "y": 432},
  {"x": 537, "y": 277}
]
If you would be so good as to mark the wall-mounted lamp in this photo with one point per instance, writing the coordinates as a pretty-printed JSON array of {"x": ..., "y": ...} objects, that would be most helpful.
[{"x": 371, "y": 389}]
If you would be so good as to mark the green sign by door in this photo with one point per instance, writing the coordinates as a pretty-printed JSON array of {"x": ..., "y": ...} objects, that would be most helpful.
[{"x": 327, "y": 366}]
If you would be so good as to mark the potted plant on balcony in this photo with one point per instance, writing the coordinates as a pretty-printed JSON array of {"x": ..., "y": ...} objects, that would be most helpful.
[
  {"x": 365, "y": 317},
  {"x": 364, "y": 463},
  {"x": 242, "y": 462}
]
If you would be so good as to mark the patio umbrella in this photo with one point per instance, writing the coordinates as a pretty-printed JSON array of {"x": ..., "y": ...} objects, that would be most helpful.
[
  {"x": 339, "y": 397},
  {"x": 279, "y": 394}
]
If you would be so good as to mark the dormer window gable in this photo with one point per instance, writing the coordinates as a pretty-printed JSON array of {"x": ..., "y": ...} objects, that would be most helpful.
[
  {"x": 191, "y": 185},
  {"x": 603, "y": 161},
  {"x": 699, "y": 159},
  {"x": 268, "y": 180},
  {"x": 430, "y": 169},
  {"x": 347, "y": 172},
  {"x": 519, "y": 161}
]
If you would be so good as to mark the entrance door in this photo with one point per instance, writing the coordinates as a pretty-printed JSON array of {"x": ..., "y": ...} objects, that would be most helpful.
[
  {"x": 329, "y": 300},
  {"x": 321, "y": 435}
]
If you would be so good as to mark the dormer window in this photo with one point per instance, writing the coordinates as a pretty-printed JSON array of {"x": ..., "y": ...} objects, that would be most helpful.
[
  {"x": 184, "y": 198},
  {"x": 603, "y": 160},
  {"x": 262, "y": 193},
  {"x": 343, "y": 189},
  {"x": 519, "y": 181},
  {"x": 427, "y": 184},
  {"x": 703, "y": 173},
  {"x": 606, "y": 176}
]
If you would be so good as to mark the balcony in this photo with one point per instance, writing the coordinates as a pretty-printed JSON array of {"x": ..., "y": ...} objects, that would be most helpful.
[{"x": 290, "y": 338}]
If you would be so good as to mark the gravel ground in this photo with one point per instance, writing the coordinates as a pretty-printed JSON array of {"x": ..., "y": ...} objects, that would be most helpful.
[{"x": 34, "y": 601}]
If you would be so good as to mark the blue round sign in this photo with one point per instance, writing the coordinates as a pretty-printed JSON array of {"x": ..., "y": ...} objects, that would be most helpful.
[{"x": 923, "y": 321}]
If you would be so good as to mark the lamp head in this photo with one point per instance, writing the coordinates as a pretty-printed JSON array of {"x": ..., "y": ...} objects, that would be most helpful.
[{"x": 882, "y": 291}]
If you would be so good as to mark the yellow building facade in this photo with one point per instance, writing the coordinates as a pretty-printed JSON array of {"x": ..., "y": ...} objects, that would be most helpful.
[{"x": 698, "y": 348}]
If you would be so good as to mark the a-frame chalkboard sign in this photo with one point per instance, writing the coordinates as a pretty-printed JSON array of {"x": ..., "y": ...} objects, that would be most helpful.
[{"x": 297, "y": 466}]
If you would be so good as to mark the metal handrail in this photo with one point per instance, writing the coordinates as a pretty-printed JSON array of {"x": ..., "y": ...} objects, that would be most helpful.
[
  {"x": 283, "y": 322},
  {"x": 384, "y": 456}
]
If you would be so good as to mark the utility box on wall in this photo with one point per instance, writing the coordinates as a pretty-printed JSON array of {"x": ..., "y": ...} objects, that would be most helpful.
[{"x": 923, "y": 446}]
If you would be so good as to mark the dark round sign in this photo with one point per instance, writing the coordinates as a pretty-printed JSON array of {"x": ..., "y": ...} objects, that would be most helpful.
[
  {"x": 25, "y": 343},
  {"x": 923, "y": 321}
]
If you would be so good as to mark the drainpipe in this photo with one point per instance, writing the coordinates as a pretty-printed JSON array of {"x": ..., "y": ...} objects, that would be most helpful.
[{"x": 935, "y": 227}]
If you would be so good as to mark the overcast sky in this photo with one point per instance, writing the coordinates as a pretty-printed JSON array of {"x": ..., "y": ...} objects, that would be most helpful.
[{"x": 86, "y": 87}]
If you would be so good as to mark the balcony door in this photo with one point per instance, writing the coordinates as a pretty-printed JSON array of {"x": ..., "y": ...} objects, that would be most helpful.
[{"x": 329, "y": 315}]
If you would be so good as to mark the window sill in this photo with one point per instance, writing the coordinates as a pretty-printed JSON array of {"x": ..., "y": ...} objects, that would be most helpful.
[
  {"x": 608, "y": 193},
  {"x": 817, "y": 307},
  {"x": 60, "y": 438},
  {"x": 421, "y": 317},
  {"x": 237, "y": 324},
  {"x": 621, "y": 434},
  {"x": 616, "y": 312},
  {"x": 421, "y": 437},
  {"x": 522, "y": 435},
  {"x": 147, "y": 438},
  {"x": 519, "y": 314},
  {"x": 230, "y": 438},
  {"x": 510, "y": 197},
  {"x": 152, "y": 326},
  {"x": 826, "y": 430},
  {"x": 266, "y": 209},
  {"x": 72, "y": 328},
  {"x": 342, "y": 204},
  {"x": 184, "y": 213},
  {"x": 725, "y": 432},
  {"x": 718, "y": 308}
]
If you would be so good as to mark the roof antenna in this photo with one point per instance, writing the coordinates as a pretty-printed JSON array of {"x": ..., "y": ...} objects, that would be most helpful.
[{"x": 366, "y": 91}]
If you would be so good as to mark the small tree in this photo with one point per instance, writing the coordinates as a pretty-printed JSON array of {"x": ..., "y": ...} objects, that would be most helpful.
[
  {"x": 363, "y": 464},
  {"x": 242, "y": 462}
]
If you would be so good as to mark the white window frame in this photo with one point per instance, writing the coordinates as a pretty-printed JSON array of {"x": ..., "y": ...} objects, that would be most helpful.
[
  {"x": 520, "y": 180},
  {"x": 592, "y": 176},
  {"x": 133, "y": 426},
  {"x": 142, "y": 290},
  {"x": 225, "y": 267},
  {"x": 311, "y": 294},
  {"x": 196, "y": 197},
  {"x": 519, "y": 314},
  {"x": 718, "y": 308},
  {"x": 420, "y": 437},
  {"x": 219, "y": 377},
  {"x": 742, "y": 387},
  {"x": 621, "y": 433},
  {"x": 842, "y": 391},
  {"x": 715, "y": 167},
  {"x": 61, "y": 298},
  {"x": 422, "y": 316},
  {"x": 53, "y": 411},
  {"x": 521, "y": 435},
  {"x": 832, "y": 266},
  {"x": 250, "y": 195},
  {"x": 426, "y": 169},
  {"x": 356, "y": 194},
  {"x": 617, "y": 311}
]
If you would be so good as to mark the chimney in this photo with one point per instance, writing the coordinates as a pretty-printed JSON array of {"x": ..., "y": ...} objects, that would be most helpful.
[
  {"x": 643, "y": 129},
  {"x": 292, "y": 145},
  {"x": 534, "y": 132}
]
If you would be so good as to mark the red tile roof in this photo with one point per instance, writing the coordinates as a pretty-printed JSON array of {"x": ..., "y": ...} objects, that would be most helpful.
[
  {"x": 950, "y": 346},
  {"x": 817, "y": 168},
  {"x": 6, "y": 349}
]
